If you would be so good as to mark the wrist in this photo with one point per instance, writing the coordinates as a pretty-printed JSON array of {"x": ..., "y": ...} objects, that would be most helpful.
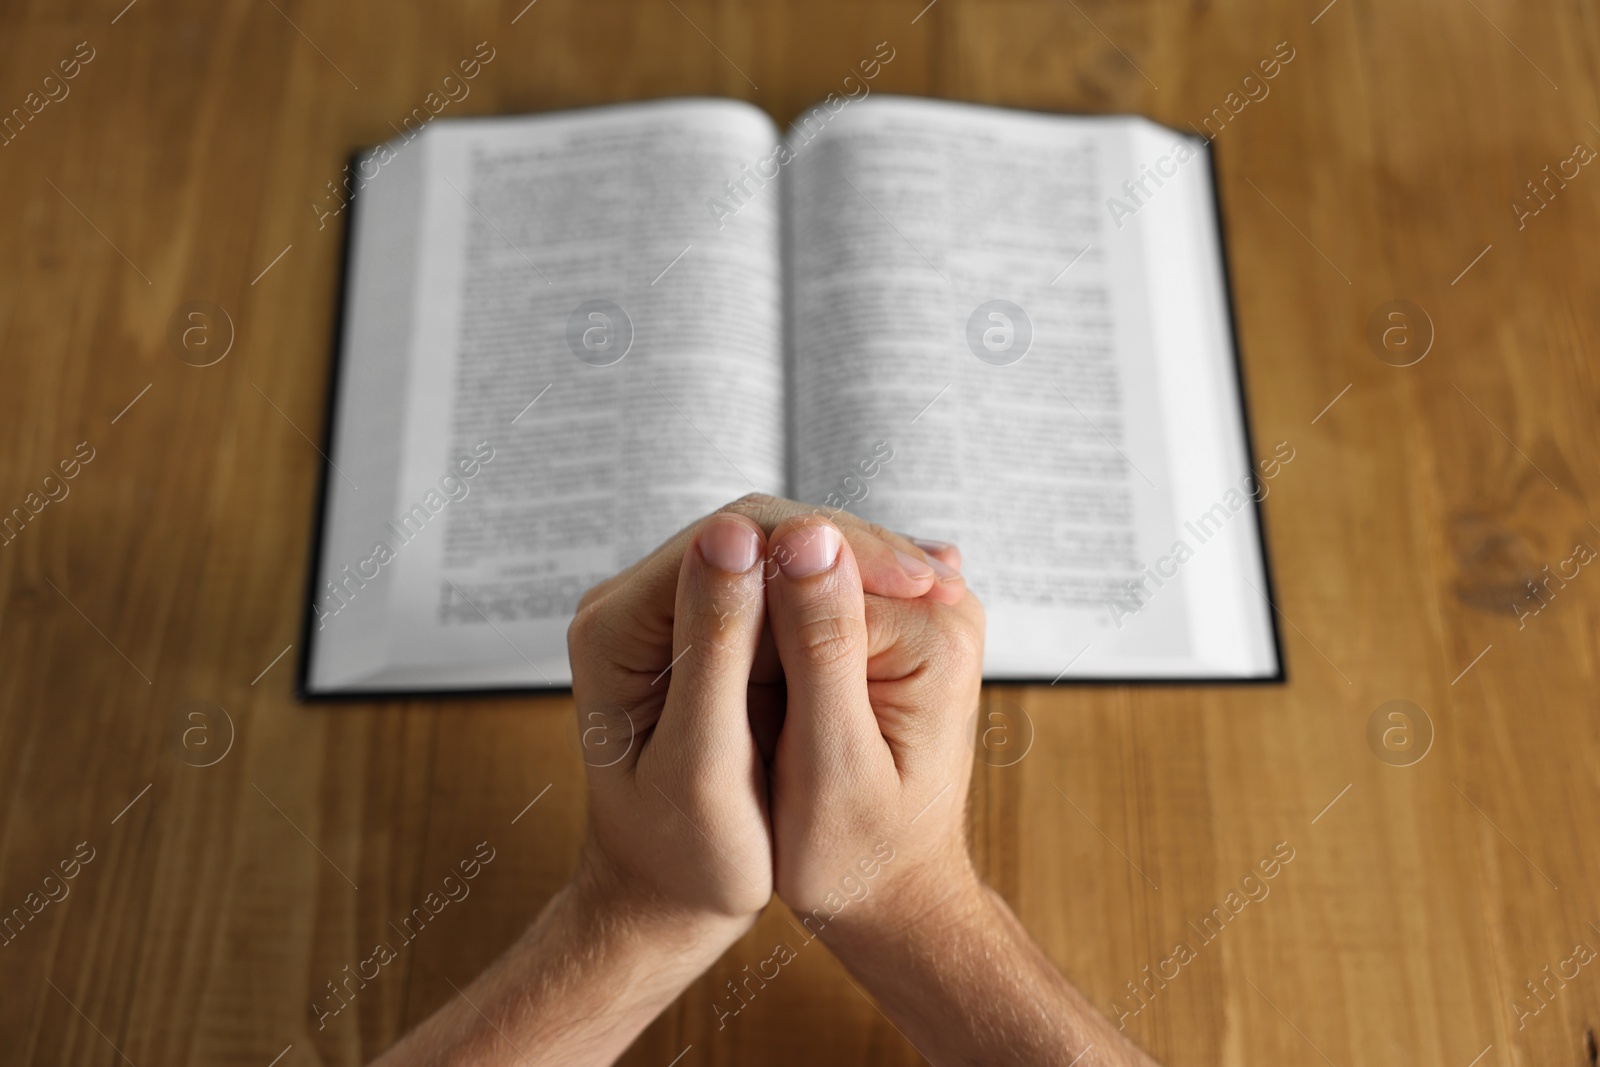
[
  {"x": 924, "y": 905},
  {"x": 668, "y": 938},
  {"x": 578, "y": 987}
]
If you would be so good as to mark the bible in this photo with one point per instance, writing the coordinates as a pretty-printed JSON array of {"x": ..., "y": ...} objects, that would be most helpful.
[{"x": 565, "y": 336}]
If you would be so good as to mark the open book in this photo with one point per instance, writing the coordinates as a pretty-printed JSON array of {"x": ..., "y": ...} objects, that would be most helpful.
[{"x": 566, "y": 336}]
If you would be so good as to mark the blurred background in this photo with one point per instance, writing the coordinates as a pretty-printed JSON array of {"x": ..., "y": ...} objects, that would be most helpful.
[{"x": 232, "y": 851}]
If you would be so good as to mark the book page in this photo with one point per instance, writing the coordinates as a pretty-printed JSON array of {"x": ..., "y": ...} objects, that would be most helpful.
[
  {"x": 963, "y": 304},
  {"x": 347, "y": 628},
  {"x": 592, "y": 365},
  {"x": 1216, "y": 553}
]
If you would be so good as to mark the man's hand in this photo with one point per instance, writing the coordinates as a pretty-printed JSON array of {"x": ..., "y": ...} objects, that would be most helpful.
[
  {"x": 678, "y": 668},
  {"x": 869, "y": 787},
  {"x": 891, "y": 564},
  {"x": 674, "y": 674},
  {"x": 639, "y": 642},
  {"x": 670, "y": 676},
  {"x": 678, "y": 827},
  {"x": 678, "y": 859},
  {"x": 869, "y": 780}
]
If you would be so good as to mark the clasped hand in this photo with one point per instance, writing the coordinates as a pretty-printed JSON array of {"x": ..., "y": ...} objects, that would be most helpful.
[{"x": 776, "y": 701}]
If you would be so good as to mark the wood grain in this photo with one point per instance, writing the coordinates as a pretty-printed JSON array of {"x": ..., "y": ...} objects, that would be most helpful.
[{"x": 1382, "y": 165}]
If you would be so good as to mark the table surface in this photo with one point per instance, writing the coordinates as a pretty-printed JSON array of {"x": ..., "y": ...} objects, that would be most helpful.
[{"x": 1386, "y": 162}]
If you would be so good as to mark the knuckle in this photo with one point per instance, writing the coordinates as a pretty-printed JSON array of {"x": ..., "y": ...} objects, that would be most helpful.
[
  {"x": 963, "y": 641},
  {"x": 973, "y": 626},
  {"x": 593, "y": 593},
  {"x": 825, "y": 641},
  {"x": 949, "y": 643},
  {"x": 882, "y": 533},
  {"x": 706, "y": 617},
  {"x": 968, "y": 625},
  {"x": 788, "y": 520},
  {"x": 917, "y": 628},
  {"x": 750, "y": 505},
  {"x": 581, "y": 628},
  {"x": 587, "y": 627},
  {"x": 694, "y": 620}
]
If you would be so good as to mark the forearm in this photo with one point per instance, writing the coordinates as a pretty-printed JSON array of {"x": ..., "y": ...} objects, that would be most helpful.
[
  {"x": 967, "y": 985},
  {"x": 576, "y": 988}
]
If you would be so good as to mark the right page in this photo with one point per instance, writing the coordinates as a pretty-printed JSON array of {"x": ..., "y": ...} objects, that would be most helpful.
[{"x": 1010, "y": 331}]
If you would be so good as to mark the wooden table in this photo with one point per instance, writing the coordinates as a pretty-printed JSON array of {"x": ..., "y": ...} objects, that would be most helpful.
[{"x": 1385, "y": 163}]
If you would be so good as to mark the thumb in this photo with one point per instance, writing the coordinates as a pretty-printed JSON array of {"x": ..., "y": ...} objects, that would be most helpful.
[
  {"x": 716, "y": 629},
  {"x": 817, "y": 613}
]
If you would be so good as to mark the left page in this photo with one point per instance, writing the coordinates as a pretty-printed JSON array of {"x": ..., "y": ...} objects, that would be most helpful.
[{"x": 589, "y": 366}]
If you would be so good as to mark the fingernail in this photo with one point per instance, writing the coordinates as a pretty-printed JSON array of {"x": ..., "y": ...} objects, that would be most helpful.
[
  {"x": 941, "y": 568},
  {"x": 729, "y": 545},
  {"x": 808, "y": 550},
  {"x": 915, "y": 569},
  {"x": 932, "y": 546}
]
